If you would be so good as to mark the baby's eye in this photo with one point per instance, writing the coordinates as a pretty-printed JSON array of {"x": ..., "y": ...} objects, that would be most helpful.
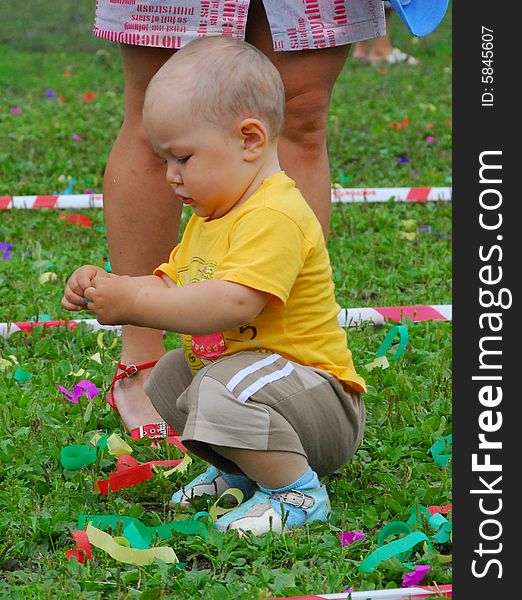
[{"x": 182, "y": 159}]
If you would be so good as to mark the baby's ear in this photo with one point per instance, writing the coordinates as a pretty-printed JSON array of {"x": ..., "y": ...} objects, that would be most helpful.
[{"x": 254, "y": 136}]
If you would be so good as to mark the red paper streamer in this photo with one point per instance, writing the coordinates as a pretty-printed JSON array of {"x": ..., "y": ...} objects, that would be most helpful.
[
  {"x": 130, "y": 472},
  {"x": 83, "y": 547}
]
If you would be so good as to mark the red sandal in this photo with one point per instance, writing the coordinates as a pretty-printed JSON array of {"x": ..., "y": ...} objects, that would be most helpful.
[{"x": 154, "y": 431}]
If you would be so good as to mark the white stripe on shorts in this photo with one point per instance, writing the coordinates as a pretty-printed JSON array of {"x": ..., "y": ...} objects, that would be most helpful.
[
  {"x": 240, "y": 375},
  {"x": 265, "y": 380}
]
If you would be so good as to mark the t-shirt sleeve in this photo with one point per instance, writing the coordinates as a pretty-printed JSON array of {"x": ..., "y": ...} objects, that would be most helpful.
[
  {"x": 267, "y": 252},
  {"x": 169, "y": 268}
]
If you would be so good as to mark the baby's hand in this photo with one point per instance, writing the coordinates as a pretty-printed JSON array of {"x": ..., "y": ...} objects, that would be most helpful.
[
  {"x": 79, "y": 281},
  {"x": 112, "y": 299}
]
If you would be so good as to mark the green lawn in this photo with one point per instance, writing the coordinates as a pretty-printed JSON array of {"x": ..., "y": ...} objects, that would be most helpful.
[{"x": 408, "y": 404}]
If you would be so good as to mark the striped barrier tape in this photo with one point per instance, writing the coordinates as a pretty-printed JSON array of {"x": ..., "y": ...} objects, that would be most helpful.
[
  {"x": 410, "y": 593},
  {"x": 81, "y": 201},
  {"x": 348, "y": 317},
  {"x": 422, "y": 194}
]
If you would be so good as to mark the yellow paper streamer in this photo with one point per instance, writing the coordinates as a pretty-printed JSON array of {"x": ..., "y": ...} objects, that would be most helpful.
[
  {"x": 96, "y": 358},
  {"x": 94, "y": 439},
  {"x": 216, "y": 511},
  {"x": 380, "y": 361},
  {"x": 182, "y": 467},
  {"x": 122, "y": 541},
  {"x": 116, "y": 446},
  {"x": 47, "y": 276},
  {"x": 130, "y": 556},
  {"x": 5, "y": 364},
  {"x": 78, "y": 373},
  {"x": 101, "y": 343},
  {"x": 409, "y": 223}
]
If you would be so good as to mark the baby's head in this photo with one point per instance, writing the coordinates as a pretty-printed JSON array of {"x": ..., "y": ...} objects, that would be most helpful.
[
  {"x": 224, "y": 80},
  {"x": 217, "y": 105}
]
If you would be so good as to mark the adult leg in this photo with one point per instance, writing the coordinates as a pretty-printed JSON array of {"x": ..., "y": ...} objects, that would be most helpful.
[
  {"x": 309, "y": 77},
  {"x": 382, "y": 46},
  {"x": 142, "y": 217}
]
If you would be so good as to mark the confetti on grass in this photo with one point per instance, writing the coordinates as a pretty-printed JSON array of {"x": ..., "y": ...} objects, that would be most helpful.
[
  {"x": 349, "y": 537},
  {"x": 5, "y": 251},
  {"x": 415, "y": 576}
]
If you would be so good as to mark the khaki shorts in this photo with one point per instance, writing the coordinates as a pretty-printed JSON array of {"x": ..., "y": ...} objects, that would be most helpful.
[{"x": 258, "y": 401}]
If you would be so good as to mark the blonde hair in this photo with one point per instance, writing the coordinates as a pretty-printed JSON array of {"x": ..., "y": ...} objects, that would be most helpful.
[{"x": 229, "y": 77}]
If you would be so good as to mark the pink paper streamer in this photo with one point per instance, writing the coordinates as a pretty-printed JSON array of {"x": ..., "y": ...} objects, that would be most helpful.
[
  {"x": 349, "y": 537},
  {"x": 83, "y": 388},
  {"x": 415, "y": 576}
]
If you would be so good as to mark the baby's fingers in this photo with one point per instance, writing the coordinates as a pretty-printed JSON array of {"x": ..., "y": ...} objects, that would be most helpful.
[{"x": 68, "y": 305}]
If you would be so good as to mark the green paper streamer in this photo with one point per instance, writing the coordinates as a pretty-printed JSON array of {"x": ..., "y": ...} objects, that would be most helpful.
[
  {"x": 140, "y": 534},
  {"x": 102, "y": 442},
  {"x": 443, "y": 527},
  {"x": 394, "y": 528},
  {"x": 402, "y": 546},
  {"x": 22, "y": 376},
  {"x": 402, "y": 330},
  {"x": 442, "y": 451},
  {"x": 415, "y": 518},
  {"x": 77, "y": 456}
]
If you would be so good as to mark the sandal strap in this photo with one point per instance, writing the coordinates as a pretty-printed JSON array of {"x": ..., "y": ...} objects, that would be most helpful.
[
  {"x": 154, "y": 431},
  {"x": 130, "y": 370}
]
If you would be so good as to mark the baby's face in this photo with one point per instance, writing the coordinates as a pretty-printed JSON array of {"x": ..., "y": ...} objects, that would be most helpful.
[{"x": 204, "y": 162}]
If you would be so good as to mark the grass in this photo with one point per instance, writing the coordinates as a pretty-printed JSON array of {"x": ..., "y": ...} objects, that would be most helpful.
[{"x": 408, "y": 404}]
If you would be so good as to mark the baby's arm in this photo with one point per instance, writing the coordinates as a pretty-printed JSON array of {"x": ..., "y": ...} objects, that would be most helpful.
[
  {"x": 199, "y": 308},
  {"x": 74, "y": 297}
]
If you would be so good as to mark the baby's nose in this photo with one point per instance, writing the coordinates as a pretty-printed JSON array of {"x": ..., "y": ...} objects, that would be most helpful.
[{"x": 173, "y": 175}]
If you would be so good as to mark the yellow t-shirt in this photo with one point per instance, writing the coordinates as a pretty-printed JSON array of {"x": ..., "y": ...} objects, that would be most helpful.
[{"x": 272, "y": 243}]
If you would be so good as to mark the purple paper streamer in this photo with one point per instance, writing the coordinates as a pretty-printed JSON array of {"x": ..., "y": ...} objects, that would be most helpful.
[
  {"x": 83, "y": 388},
  {"x": 349, "y": 537},
  {"x": 415, "y": 576},
  {"x": 6, "y": 249}
]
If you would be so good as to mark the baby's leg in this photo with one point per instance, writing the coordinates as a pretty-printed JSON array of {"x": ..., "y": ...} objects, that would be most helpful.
[
  {"x": 268, "y": 469},
  {"x": 261, "y": 417}
]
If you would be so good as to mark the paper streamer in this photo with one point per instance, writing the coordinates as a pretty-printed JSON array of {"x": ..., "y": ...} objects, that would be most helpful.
[
  {"x": 129, "y": 472},
  {"x": 22, "y": 376},
  {"x": 48, "y": 276},
  {"x": 436, "y": 521},
  {"x": 348, "y": 317},
  {"x": 139, "y": 534},
  {"x": 101, "y": 343},
  {"x": 117, "y": 447},
  {"x": 77, "y": 456},
  {"x": 349, "y": 537},
  {"x": 380, "y": 361},
  {"x": 416, "y": 576},
  {"x": 5, "y": 251},
  {"x": 217, "y": 511},
  {"x": 401, "y": 547},
  {"x": 130, "y": 556},
  {"x": 83, "y": 550},
  {"x": 440, "y": 509},
  {"x": 442, "y": 451},
  {"x": 338, "y": 194},
  {"x": 82, "y": 388},
  {"x": 402, "y": 332}
]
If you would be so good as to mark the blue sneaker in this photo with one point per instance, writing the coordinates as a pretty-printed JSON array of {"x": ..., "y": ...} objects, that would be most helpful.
[
  {"x": 211, "y": 482},
  {"x": 266, "y": 512}
]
